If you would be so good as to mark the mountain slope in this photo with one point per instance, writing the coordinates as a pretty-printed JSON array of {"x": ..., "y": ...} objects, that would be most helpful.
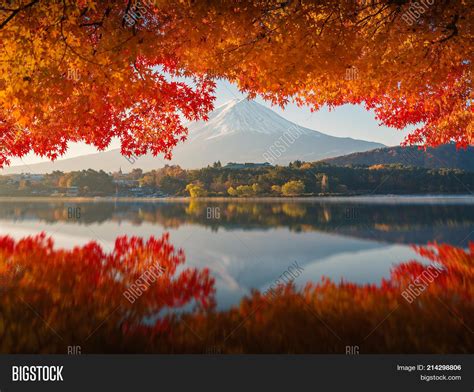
[
  {"x": 238, "y": 131},
  {"x": 445, "y": 156}
]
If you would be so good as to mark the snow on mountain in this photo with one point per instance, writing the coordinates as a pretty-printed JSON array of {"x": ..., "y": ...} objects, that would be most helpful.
[
  {"x": 238, "y": 131},
  {"x": 240, "y": 116}
]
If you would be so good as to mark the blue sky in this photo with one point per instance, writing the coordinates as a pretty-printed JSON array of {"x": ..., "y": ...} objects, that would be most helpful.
[{"x": 345, "y": 121}]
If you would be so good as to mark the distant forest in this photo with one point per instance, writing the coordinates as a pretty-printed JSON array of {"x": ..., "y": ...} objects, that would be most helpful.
[
  {"x": 245, "y": 180},
  {"x": 445, "y": 156}
]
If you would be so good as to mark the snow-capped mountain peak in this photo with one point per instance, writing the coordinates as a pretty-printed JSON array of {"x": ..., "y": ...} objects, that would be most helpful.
[{"x": 241, "y": 116}]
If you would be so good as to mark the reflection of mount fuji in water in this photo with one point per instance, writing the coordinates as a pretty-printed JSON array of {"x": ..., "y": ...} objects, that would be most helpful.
[
  {"x": 406, "y": 223},
  {"x": 238, "y": 131},
  {"x": 247, "y": 245}
]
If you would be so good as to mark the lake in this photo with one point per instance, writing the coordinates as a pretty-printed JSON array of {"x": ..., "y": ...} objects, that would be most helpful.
[{"x": 249, "y": 244}]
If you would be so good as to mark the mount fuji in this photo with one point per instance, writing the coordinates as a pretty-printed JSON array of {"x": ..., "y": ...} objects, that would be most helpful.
[{"x": 238, "y": 131}]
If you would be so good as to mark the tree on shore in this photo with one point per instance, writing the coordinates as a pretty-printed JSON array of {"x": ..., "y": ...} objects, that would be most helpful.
[
  {"x": 293, "y": 188},
  {"x": 195, "y": 190},
  {"x": 276, "y": 189}
]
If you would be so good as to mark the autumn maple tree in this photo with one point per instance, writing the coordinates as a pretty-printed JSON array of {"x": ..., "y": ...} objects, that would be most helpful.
[{"x": 91, "y": 70}]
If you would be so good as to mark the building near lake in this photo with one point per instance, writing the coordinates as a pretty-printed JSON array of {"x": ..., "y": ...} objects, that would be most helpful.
[{"x": 247, "y": 165}]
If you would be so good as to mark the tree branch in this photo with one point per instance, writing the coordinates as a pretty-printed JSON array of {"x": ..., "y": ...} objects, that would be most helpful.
[{"x": 16, "y": 11}]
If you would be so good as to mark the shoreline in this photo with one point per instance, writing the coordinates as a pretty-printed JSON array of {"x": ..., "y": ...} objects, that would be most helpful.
[{"x": 187, "y": 199}]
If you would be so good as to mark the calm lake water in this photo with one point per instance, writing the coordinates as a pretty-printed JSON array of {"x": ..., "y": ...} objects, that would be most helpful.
[{"x": 249, "y": 244}]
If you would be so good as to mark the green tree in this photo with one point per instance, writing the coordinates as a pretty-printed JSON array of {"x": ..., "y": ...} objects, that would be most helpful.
[
  {"x": 293, "y": 188},
  {"x": 276, "y": 189},
  {"x": 171, "y": 185},
  {"x": 195, "y": 190},
  {"x": 89, "y": 182},
  {"x": 231, "y": 191},
  {"x": 257, "y": 189},
  {"x": 245, "y": 191}
]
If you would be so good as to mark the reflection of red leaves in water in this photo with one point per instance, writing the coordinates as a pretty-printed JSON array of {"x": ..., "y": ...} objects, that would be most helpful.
[
  {"x": 457, "y": 270},
  {"x": 58, "y": 298},
  {"x": 54, "y": 298},
  {"x": 327, "y": 317}
]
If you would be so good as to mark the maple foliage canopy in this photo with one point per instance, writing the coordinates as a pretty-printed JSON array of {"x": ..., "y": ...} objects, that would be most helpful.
[{"x": 91, "y": 70}]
